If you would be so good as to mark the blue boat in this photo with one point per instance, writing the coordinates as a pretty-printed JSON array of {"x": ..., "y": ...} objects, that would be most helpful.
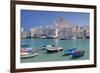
[
  {"x": 77, "y": 54},
  {"x": 69, "y": 52},
  {"x": 71, "y": 49}
]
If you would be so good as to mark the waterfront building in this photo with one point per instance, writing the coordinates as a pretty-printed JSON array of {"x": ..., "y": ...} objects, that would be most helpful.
[
  {"x": 23, "y": 33},
  {"x": 60, "y": 29},
  {"x": 22, "y": 29},
  {"x": 86, "y": 31},
  {"x": 51, "y": 32},
  {"x": 32, "y": 31},
  {"x": 64, "y": 29},
  {"x": 36, "y": 31}
]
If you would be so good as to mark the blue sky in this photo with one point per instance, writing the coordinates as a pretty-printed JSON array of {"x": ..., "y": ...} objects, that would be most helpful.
[{"x": 33, "y": 18}]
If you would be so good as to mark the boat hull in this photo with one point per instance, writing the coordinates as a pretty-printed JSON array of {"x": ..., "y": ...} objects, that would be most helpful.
[
  {"x": 29, "y": 56},
  {"x": 54, "y": 50},
  {"x": 78, "y": 54},
  {"x": 69, "y": 52}
]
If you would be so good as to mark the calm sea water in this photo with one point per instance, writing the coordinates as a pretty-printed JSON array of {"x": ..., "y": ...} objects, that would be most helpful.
[{"x": 43, "y": 56}]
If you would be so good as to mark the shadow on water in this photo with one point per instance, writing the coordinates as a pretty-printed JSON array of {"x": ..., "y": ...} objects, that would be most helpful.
[
  {"x": 75, "y": 58},
  {"x": 50, "y": 52},
  {"x": 66, "y": 55},
  {"x": 27, "y": 58}
]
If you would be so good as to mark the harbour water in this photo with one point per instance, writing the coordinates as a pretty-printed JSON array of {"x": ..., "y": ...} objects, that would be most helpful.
[{"x": 43, "y": 56}]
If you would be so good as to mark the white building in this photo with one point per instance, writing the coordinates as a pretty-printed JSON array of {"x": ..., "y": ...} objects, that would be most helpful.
[
  {"x": 23, "y": 33},
  {"x": 62, "y": 28}
]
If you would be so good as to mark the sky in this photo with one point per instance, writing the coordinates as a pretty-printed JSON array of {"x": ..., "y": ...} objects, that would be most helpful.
[{"x": 34, "y": 18}]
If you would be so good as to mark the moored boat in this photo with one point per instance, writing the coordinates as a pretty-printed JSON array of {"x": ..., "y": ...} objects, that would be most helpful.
[
  {"x": 69, "y": 51},
  {"x": 77, "y": 54},
  {"x": 62, "y": 38},
  {"x": 26, "y": 49},
  {"x": 28, "y": 53},
  {"x": 44, "y": 47},
  {"x": 43, "y": 37},
  {"x": 72, "y": 49},
  {"x": 54, "y": 49}
]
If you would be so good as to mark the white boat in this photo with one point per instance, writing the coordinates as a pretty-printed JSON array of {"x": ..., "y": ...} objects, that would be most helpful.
[
  {"x": 54, "y": 49},
  {"x": 74, "y": 38},
  {"x": 43, "y": 37},
  {"x": 44, "y": 47},
  {"x": 27, "y": 53}
]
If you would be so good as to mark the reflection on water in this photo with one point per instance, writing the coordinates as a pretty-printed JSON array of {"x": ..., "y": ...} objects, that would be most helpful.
[{"x": 65, "y": 44}]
